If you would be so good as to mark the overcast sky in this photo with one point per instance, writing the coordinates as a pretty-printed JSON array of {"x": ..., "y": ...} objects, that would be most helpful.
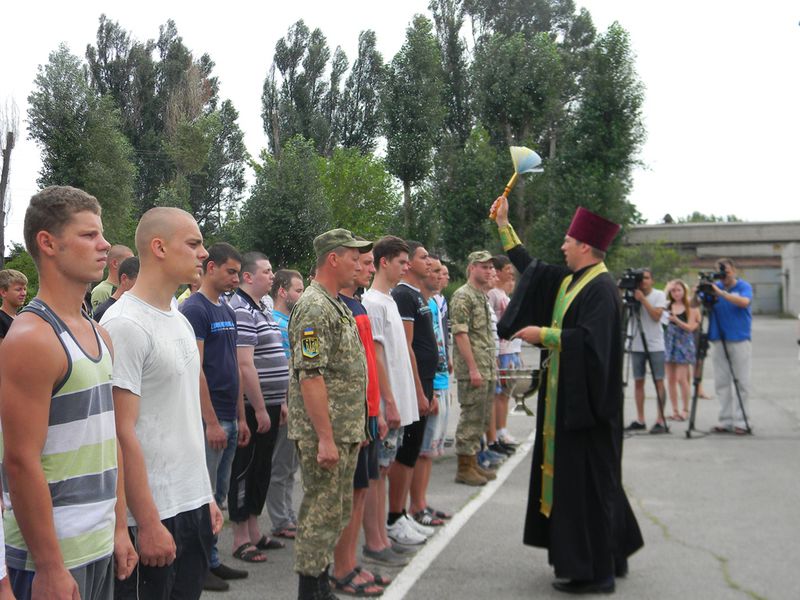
[{"x": 721, "y": 78}]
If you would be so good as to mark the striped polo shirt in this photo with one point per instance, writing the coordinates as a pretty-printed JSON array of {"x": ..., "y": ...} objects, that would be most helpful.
[
  {"x": 254, "y": 327},
  {"x": 79, "y": 458}
]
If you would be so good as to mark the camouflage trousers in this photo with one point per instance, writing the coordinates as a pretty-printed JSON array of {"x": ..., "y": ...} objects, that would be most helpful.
[
  {"x": 476, "y": 404},
  {"x": 326, "y": 506}
]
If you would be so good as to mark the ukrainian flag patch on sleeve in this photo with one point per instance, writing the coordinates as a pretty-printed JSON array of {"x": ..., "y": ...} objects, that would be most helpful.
[{"x": 310, "y": 343}]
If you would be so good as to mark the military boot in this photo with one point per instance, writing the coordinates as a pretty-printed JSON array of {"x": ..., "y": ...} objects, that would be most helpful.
[
  {"x": 466, "y": 474},
  {"x": 485, "y": 473},
  {"x": 324, "y": 591},
  {"x": 308, "y": 588}
]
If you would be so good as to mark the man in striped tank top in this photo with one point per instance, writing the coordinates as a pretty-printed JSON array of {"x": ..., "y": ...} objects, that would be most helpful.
[{"x": 60, "y": 448}]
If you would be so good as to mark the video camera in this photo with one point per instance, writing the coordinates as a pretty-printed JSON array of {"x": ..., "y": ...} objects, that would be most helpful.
[
  {"x": 707, "y": 280},
  {"x": 631, "y": 279},
  {"x": 629, "y": 283}
]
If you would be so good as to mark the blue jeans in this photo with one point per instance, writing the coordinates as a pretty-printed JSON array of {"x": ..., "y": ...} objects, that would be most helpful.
[{"x": 219, "y": 464}]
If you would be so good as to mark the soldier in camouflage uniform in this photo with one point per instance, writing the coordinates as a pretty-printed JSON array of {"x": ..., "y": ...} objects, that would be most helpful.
[
  {"x": 327, "y": 406},
  {"x": 475, "y": 365}
]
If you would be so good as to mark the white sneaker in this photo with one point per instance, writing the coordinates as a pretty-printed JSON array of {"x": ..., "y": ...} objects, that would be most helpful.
[
  {"x": 419, "y": 527},
  {"x": 506, "y": 437},
  {"x": 403, "y": 533}
]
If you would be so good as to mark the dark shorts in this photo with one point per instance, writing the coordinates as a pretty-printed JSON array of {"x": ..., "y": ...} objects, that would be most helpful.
[
  {"x": 639, "y": 362},
  {"x": 414, "y": 434},
  {"x": 366, "y": 466},
  {"x": 184, "y": 578}
]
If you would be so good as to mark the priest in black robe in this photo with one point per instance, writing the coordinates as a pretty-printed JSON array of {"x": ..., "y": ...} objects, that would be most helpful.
[{"x": 577, "y": 507}]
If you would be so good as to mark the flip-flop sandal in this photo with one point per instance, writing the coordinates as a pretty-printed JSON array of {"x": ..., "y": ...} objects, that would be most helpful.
[
  {"x": 266, "y": 543},
  {"x": 347, "y": 586},
  {"x": 439, "y": 514},
  {"x": 249, "y": 553},
  {"x": 377, "y": 578},
  {"x": 287, "y": 532},
  {"x": 427, "y": 519}
]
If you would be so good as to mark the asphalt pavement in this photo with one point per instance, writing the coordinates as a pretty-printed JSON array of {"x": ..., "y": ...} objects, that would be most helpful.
[{"x": 720, "y": 514}]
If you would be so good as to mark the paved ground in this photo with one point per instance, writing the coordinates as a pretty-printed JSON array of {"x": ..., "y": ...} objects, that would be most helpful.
[{"x": 720, "y": 513}]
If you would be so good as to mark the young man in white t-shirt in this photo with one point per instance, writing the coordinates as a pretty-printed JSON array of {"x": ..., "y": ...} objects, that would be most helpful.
[
  {"x": 652, "y": 303},
  {"x": 173, "y": 516},
  {"x": 398, "y": 395}
]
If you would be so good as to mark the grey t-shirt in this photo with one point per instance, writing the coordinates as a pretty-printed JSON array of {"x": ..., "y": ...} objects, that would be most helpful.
[{"x": 653, "y": 332}]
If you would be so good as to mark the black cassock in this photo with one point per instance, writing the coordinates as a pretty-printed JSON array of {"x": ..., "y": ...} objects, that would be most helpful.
[{"x": 591, "y": 529}]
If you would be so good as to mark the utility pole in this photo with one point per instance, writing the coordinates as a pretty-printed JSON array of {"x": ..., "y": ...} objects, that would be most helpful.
[{"x": 3, "y": 185}]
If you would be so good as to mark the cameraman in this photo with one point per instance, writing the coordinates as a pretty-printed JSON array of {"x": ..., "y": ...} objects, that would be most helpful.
[
  {"x": 652, "y": 304},
  {"x": 731, "y": 322}
]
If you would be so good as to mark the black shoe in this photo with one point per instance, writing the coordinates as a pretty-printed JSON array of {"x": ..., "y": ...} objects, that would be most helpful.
[
  {"x": 636, "y": 426},
  {"x": 307, "y": 588},
  {"x": 324, "y": 591},
  {"x": 574, "y": 586},
  {"x": 502, "y": 450},
  {"x": 510, "y": 447},
  {"x": 621, "y": 568},
  {"x": 658, "y": 428},
  {"x": 226, "y": 572},
  {"x": 213, "y": 583}
]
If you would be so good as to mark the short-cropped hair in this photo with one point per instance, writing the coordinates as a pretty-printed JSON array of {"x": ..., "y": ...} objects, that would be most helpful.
[
  {"x": 220, "y": 253},
  {"x": 249, "y": 260},
  {"x": 388, "y": 247},
  {"x": 499, "y": 261},
  {"x": 283, "y": 280},
  {"x": 9, "y": 277},
  {"x": 129, "y": 267},
  {"x": 51, "y": 209},
  {"x": 413, "y": 245}
]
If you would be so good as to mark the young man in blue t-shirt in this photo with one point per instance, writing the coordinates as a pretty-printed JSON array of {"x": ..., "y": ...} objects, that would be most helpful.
[
  {"x": 214, "y": 324},
  {"x": 287, "y": 287},
  {"x": 730, "y": 322}
]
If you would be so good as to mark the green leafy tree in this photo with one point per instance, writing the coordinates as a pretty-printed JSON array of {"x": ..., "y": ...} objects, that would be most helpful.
[
  {"x": 698, "y": 217},
  {"x": 357, "y": 122},
  {"x": 187, "y": 145},
  {"x": 81, "y": 140},
  {"x": 594, "y": 166},
  {"x": 286, "y": 209},
  {"x": 528, "y": 17},
  {"x": 218, "y": 187},
  {"x": 362, "y": 195},
  {"x": 302, "y": 102},
  {"x": 414, "y": 111},
  {"x": 448, "y": 15},
  {"x": 665, "y": 260},
  {"x": 465, "y": 184}
]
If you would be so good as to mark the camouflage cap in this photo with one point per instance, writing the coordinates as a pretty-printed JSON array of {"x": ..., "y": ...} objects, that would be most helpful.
[
  {"x": 330, "y": 240},
  {"x": 478, "y": 256}
]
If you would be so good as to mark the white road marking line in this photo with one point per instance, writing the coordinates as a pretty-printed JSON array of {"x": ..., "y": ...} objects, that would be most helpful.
[{"x": 409, "y": 576}]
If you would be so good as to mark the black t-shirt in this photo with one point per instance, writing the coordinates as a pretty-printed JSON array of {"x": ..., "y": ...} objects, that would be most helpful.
[
  {"x": 413, "y": 307},
  {"x": 102, "y": 307},
  {"x": 5, "y": 322}
]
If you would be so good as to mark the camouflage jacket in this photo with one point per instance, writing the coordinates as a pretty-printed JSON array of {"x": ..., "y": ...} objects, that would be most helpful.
[
  {"x": 324, "y": 340},
  {"x": 469, "y": 313}
]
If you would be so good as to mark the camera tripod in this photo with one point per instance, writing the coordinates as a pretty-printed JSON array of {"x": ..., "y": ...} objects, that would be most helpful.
[
  {"x": 633, "y": 311},
  {"x": 707, "y": 314}
]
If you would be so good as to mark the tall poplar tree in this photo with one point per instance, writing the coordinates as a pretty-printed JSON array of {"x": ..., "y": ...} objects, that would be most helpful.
[{"x": 414, "y": 111}]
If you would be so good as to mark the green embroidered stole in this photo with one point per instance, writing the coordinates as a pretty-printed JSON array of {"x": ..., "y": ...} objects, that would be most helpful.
[{"x": 563, "y": 301}]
